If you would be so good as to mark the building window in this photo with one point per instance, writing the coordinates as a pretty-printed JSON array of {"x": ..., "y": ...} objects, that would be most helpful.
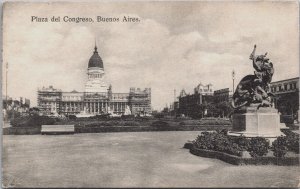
[{"x": 285, "y": 87}]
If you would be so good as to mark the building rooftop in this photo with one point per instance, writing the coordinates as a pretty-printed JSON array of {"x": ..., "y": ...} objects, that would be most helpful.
[
  {"x": 295, "y": 78},
  {"x": 95, "y": 60}
]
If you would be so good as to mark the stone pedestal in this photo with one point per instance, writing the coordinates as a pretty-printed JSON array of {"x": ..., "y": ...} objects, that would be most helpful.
[{"x": 253, "y": 122}]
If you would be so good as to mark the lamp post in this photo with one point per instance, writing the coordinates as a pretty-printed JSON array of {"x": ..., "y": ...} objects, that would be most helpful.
[
  {"x": 6, "y": 69},
  {"x": 233, "y": 75},
  {"x": 298, "y": 120},
  {"x": 174, "y": 103}
]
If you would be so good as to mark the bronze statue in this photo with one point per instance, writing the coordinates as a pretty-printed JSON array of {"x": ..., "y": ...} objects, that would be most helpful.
[{"x": 254, "y": 89}]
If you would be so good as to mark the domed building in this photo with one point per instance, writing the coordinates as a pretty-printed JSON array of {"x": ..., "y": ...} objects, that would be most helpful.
[
  {"x": 97, "y": 98},
  {"x": 96, "y": 82}
]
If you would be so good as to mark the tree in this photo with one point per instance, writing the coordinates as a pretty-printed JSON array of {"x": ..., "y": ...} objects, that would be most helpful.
[{"x": 225, "y": 108}]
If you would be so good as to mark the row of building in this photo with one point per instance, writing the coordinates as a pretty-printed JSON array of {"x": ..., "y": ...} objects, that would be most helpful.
[
  {"x": 188, "y": 104},
  {"x": 286, "y": 98},
  {"x": 54, "y": 101},
  {"x": 98, "y": 97},
  {"x": 20, "y": 106}
]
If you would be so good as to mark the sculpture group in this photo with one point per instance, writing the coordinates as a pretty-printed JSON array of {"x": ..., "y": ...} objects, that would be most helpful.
[{"x": 254, "y": 89}]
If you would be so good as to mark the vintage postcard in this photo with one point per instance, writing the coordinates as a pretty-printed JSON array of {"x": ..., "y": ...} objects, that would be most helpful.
[{"x": 150, "y": 94}]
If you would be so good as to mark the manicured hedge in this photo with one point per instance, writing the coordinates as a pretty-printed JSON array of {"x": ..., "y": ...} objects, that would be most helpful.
[
  {"x": 258, "y": 146},
  {"x": 280, "y": 147},
  {"x": 21, "y": 131},
  {"x": 33, "y": 121},
  {"x": 219, "y": 142},
  {"x": 211, "y": 121},
  {"x": 283, "y": 144},
  {"x": 235, "y": 160}
]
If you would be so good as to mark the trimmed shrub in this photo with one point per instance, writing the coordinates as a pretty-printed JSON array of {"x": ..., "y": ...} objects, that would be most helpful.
[
  {"x": 72, "y": 117},
  {"x": 204, "y": 141},
  {"x": 258, "y": 146},
  {"x": 217, "y": 141},
  {"x": 160, "y": 124},
  {"x": 206, "y": 121},
  {"x": 131, "y": 123},
  {"x": 112, "y": 123},
  {"x": 242, "y": 142},
  {"x": 234, "y": 149},
  {"x": 33, "y": 121},
  {"x": 107, "y": 123},
  {"x": 292, "y": 142},
  {"x": 279, "y": 146},
  {"x": 223, "y": 144}
]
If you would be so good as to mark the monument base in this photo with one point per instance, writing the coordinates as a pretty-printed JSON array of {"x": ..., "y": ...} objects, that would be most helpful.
[{"x": 257, "y": 122}]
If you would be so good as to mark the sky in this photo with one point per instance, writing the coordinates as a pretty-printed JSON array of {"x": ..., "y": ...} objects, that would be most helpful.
[{"x": 175, "y": 46}]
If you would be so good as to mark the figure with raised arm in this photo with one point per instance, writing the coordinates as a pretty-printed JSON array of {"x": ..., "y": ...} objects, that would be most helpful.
[{"x": 255, "y": 88}]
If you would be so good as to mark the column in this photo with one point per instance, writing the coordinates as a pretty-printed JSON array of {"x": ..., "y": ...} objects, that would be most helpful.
[
  {"x": 99, "y": 107},
  {"x": 94, "y": 110}
]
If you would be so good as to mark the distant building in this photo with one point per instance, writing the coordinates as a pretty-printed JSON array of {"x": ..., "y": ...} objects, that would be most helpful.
[
  {"x": 221, "y": 95},
  {"x": 98, "y": 97},
  {"x": 49, "y": 100},
  {"x": 287, "y": 95},
  {"x": 174, "y": 108},
  {"x": 204, "y": 89},
  {"x": 204, "y": 97},
  {"x": 140, "y": 101},
  {"x": 20, "y": 105},
  {"x": 189, "y": 103}
]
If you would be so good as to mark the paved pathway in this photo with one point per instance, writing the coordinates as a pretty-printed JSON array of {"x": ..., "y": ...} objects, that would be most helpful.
[{"x": 146, "y": 159}]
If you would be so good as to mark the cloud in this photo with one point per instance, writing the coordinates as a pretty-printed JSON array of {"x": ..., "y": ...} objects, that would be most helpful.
[{"x": 165, "y": 51}]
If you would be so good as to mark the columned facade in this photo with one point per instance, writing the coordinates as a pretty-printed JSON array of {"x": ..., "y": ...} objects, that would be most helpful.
[{"x": 98, "y": 97}]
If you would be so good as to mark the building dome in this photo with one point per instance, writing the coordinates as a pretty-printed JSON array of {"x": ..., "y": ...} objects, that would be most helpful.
[{"x": 95, "y": 60}]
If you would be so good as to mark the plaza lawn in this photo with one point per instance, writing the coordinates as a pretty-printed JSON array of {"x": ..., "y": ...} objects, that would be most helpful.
[{"x": 147, "y": 159}]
